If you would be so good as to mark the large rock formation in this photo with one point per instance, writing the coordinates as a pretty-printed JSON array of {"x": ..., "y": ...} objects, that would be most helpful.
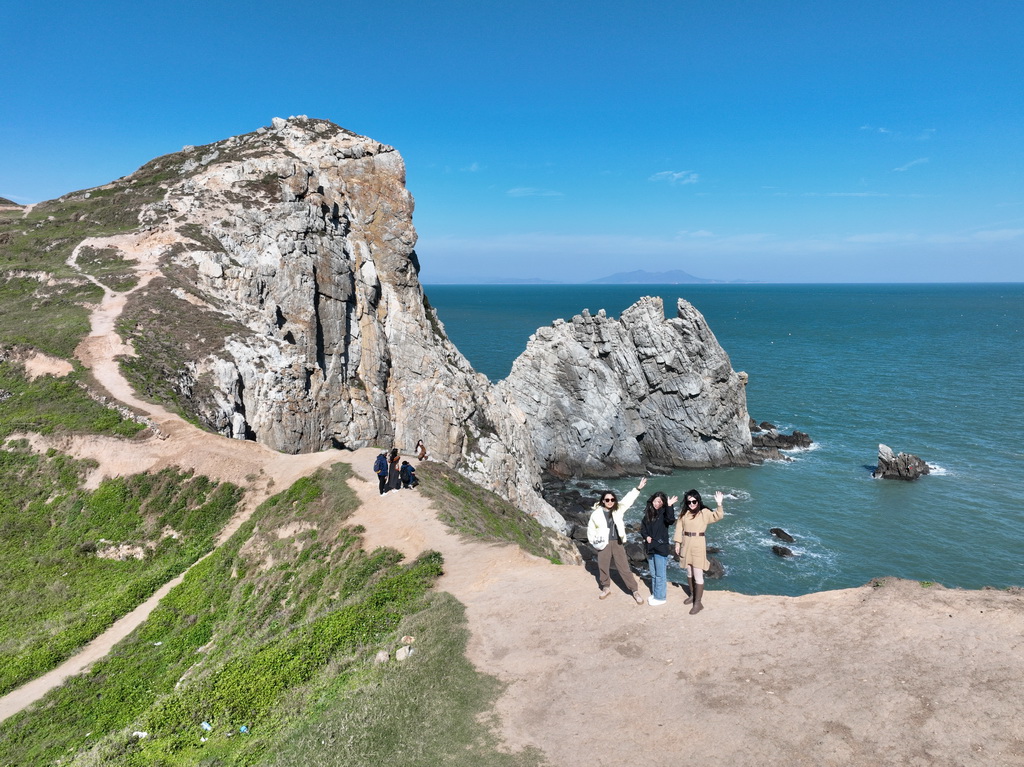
[
  {"x": 604, "y": 397},
  {"x": 287, "y": 309}
]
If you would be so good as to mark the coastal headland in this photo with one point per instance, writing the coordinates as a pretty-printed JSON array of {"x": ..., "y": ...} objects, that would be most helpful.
[{"x": 290, "y": 370}]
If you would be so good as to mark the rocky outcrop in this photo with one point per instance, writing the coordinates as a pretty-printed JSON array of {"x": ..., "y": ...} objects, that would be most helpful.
[
  {"x": 606, "y": 397},
  {"x": 782, "y": 535},
  {"x": 903, "y": 466},
  {"x": 284, "y": 306}
]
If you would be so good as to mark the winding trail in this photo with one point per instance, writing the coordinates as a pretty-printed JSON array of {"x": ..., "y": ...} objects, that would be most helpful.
[{"x": 894, "y": 674}]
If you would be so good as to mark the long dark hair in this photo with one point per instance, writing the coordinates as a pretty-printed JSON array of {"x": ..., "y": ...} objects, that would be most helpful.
[
  {"x": 687, "y": 496},
  {"x": 653, "y": 513}
]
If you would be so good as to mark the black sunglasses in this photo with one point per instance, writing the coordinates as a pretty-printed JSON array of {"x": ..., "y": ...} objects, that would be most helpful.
[
  {"x": 692, "y": 501},
  {"x": 607, "y": 500}
]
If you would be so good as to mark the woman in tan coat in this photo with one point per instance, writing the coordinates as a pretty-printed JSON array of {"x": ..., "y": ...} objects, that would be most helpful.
[{"x": 691, "y": 546}]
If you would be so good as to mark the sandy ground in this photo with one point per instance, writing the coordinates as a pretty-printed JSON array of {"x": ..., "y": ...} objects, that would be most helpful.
[{"x": 896, "y": 674}]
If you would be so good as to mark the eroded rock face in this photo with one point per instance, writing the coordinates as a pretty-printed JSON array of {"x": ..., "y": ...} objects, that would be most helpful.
[
  {"x": 301, "y": 236},
  {"x": 604, "y": 397}
]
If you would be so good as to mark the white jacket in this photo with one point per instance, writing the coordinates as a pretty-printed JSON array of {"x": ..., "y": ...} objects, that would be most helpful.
[{"x": 597, "y": 528}]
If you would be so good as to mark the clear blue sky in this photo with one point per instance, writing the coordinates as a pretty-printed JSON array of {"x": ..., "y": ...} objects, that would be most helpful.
[{"x": 787, "y": 141}]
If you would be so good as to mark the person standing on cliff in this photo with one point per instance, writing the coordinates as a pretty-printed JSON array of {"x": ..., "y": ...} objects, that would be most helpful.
[
  {"x": 606, "y": 532},
  {"x": 421, "y": 451},
  {"x": 380, "y": 468},
  {"x": 658, "y": 518},
  {"x": 395, "y": 471},
  {"x": 691, "y": 546}
]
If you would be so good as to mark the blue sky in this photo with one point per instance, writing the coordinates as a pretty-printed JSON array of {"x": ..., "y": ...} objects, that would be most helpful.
[{"x": 792, "y": 141}]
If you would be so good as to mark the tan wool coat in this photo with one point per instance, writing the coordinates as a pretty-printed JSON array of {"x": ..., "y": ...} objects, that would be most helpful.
[{"x": 695, "y": 547}]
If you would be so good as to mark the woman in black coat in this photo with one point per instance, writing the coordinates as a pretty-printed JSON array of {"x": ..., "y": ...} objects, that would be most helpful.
[{"x": 658, "y": 517}]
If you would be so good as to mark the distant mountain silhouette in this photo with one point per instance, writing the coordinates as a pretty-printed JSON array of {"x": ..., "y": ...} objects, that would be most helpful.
[
  {"x": 522, "y": 281},
  {"x": 640, "y": 277}
]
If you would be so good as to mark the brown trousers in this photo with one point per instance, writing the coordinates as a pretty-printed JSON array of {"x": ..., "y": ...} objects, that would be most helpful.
[{"x": 614, "y": 553}]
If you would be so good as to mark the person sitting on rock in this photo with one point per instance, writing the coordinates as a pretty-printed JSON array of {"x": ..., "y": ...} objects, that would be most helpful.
[
  {"x": 408, "y": 475},
  {"x": 691, "y": 546},
  {"x": 606, "y": 532},
  {"x": 421, "y": 451}
]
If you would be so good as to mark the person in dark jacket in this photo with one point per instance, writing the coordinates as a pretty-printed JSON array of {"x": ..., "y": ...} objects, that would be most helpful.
[
  {"x": 658, "y": 517},
  {"x": 380, "y": 468},
  {"x": 408, "y": 475}
]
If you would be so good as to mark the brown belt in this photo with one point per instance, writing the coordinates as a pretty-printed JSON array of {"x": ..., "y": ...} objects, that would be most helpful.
[{"x": 691, "y": 534}]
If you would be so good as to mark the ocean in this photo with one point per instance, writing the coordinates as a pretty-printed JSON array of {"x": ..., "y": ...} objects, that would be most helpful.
[{"x": 933, "y": 370}]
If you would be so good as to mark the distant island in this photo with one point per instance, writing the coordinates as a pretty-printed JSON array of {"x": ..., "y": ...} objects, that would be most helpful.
[
  {"x": 636, "y": 277},
  {"x": 641, "y": 277}
]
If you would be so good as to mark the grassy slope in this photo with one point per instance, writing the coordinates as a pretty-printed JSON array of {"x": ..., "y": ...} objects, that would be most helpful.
[{"x": 275, "y": 632}]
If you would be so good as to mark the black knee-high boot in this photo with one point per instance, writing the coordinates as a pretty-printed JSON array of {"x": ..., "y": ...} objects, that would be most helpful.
[{"x": 689, "y": 599}]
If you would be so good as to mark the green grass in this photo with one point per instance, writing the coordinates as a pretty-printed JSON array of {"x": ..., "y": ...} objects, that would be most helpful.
[
  {"x": 48, "y": 317},
  {"x": 51, "y": 405},
  {"x": 275, "y": 632},
  {"x": 428, "y": 710},
  {"x": 244, "y": 640},
  {"x": 58, "y": 594},
  {"x": 478, "y": 513}
]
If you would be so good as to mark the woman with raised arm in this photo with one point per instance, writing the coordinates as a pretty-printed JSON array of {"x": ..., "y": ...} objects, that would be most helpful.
[
  {"x": 658, "y": 518},
  {"x": 606, "y": 532},
  {"x": 691, "y": 547}
]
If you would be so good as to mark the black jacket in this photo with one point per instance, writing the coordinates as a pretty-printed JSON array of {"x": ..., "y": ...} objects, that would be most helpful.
[{"x": 657, "y": 531}]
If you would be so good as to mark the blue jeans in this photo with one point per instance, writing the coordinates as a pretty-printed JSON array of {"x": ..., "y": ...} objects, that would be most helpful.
[{"x": 657, "y": 564}]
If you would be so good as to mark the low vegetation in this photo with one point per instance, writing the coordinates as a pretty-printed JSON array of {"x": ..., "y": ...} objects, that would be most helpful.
[
  {"x": 51, "y": 405},
  {"x": 60, "y": 588},
  {"x": 478, "y": 513}
]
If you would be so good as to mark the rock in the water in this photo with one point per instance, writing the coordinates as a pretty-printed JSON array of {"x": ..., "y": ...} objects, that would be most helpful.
[
  {"x": 768, "y": 438},
  {"x": 782, "y": 551},
  {"x": 715, "y": 571},
  {"x": 903, "y": 466},
  {"x": 781, "y": 534}
]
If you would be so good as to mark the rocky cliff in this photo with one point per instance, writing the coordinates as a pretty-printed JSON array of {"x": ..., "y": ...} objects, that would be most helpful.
[
  {"x": 605, "y": 397},
  {"x": 283, "y": 305}
]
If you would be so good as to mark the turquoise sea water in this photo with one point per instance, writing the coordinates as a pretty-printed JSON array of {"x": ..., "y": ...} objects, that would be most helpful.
[{"x": 934, "y": 370}]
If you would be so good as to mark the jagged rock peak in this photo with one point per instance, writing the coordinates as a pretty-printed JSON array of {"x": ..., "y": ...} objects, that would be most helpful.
[{"x": 604, "y": 397}]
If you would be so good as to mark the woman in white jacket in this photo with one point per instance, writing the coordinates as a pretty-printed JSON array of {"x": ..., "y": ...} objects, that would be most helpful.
[{"x": 606, "y": 533}]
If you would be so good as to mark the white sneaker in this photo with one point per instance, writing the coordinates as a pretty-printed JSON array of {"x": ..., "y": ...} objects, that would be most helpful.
[{"x": 655, "y": 602}]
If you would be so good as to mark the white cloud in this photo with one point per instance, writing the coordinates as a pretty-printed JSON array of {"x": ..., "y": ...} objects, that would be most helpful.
[
  {"x": 676, "y": 177},
  {"x": 911, "y": 164},
  {"x": 529, "y": 191},
  {"x": 472, "y": 168},
  {"x": 998, "y": 235}
]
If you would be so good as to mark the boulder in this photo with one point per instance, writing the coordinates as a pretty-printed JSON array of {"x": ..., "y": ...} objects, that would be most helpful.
[
  {"x": 782, "y": 551},
  {"x": 903, "y": 466},
  {"x": 769, "y": 438},
  {"x": 715, "y": 571},
  {"x": 781, "y": 534}
]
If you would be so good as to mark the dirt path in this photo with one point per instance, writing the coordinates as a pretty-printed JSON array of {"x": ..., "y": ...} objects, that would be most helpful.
[
  {"x": 174, "y": 443},
  {"x": 894, "y": 675}
]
